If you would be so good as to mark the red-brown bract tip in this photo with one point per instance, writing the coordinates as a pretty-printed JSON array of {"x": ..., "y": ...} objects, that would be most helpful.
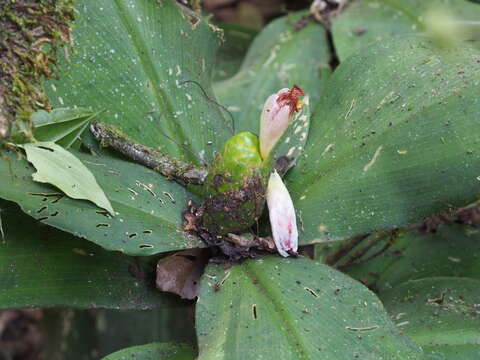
[
  {"x": 291, "y": 98},
  {"x": 296, "y": 91}
]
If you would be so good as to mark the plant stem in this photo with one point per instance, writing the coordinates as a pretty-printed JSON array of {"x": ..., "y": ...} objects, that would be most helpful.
[{"x": 173, "y": 169}]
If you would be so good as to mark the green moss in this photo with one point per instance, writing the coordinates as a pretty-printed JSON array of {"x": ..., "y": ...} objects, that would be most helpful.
[{"x": 32, "y": 31}]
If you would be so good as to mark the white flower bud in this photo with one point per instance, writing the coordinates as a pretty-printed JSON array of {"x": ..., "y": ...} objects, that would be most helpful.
[
  {"x": 276, "y": 116},
  {"x": 282, "y": 216}
]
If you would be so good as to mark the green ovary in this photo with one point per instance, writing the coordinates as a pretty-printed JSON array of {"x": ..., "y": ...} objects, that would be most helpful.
[{"x": 236, "y": 186}]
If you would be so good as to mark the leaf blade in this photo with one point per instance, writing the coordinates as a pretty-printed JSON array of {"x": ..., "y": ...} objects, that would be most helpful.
[
  {"x": 448, "y": 302},
  {"x": 292, "y": 309},
  {"x": 456, "y": 251},
  {"x": 365, "y": 22},
  {"x": 148, "y": 66},
  {"x": 148, "y": 206},
  {"x": 154, "y": 351},
  {"x": 272, "y": 63},
  {"x": 365, "y": 166},
  {"x": 58, "y": 167},
  {"x": 44, "y": 267}
]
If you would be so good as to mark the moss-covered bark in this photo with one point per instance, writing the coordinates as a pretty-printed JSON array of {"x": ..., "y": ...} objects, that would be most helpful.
[{"x": 31, "y": 32}]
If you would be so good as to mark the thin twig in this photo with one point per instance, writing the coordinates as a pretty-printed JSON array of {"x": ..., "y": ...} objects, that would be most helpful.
[{"x": 173, "y": 169}]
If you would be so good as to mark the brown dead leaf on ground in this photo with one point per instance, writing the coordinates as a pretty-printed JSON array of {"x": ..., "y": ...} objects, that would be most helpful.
[
  {"x": 20, "y": 335},
  {"x": 180, "y": 273}
]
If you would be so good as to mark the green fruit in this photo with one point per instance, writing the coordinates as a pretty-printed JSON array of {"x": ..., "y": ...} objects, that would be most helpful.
[
  {"x": 236, "y": 186},
  {"x": 239, "y": 159}
]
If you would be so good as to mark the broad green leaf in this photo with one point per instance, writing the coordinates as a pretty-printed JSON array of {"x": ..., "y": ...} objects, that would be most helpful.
[
  {"x": 59, "y": 115},
  {"x": 236, "y": 40},
  {"x": 148, "y": 65},
  {"x": 61, "y": 168},
  {"x": 366, "y": 21},
  {"x": 452, "y": 352},
  {"x": 451, "y": 251},
  {"x": 147, "y": 207},
  {"x": 275, "y": 308},
  {"x": 44, "y": 267},
  {"x": 437, "y": 312},
  {"x": 154, "y": 351},
  {"x": 279, "y": 57},
  {"x": 62, "y": 126},
  {"x": 391, "y": 142}
]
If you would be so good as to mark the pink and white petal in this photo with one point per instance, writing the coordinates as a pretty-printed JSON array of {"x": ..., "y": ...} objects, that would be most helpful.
[
  {"x": 273, "y": 122},
  {"x": 282, "y": 216}
]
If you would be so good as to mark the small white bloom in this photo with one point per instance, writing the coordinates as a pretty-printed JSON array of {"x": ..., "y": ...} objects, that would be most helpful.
[
  {"x": 282, "y": 216},
  {"x": 276, "y": 116}
]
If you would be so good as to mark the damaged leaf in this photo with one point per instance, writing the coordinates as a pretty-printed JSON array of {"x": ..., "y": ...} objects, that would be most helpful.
[
  {"x": 58, "y": 167},
  {"x": 41, "y": 266},
  {"x": 395, "y": 148},
  {"x": 147, "y": 206},
  {"x": 144, "y": 63},
  {"x": 180, "y": 273},
  {"x": 440, "y": 314},
  {"x": 275, "y": 308}
]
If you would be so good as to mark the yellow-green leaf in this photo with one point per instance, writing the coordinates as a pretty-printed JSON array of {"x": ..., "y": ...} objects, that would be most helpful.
[{"x": 58, "y": 167}]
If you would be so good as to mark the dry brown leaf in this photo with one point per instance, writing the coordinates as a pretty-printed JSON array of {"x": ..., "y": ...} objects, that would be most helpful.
[{"x": 180, "y": 273}]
